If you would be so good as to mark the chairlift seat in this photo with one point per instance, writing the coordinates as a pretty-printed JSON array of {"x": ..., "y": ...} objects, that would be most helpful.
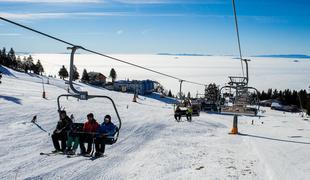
[
  {"x": 111, "y": 140},
  {"x": 108, "y": 140},
  {"x": 236, "y": 80},
  {"x": 239, "y": 110}
]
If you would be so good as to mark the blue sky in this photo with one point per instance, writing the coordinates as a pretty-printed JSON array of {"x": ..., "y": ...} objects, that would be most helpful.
[{"x": 153, "y": 26}]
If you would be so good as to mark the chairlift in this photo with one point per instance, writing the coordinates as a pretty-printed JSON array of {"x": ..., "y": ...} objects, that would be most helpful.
[
  {"x": 83, "y": 95},
  {"x": 237, "y": 98},
  {"x": 187, "y": 107},
  {"x": 242, "y": 102}
]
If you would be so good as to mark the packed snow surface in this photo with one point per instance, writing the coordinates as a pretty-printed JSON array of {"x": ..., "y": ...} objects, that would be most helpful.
[{"x": 152, "y": 145}]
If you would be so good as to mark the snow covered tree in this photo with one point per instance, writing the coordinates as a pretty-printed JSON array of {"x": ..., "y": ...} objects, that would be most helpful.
[
  {"x": 19, "y": 64},
  {"x": 85, "y": 77},
  {"x": 113, "y": 75},
  {"x": 63, "y": 73},
  {"x": 28, "y": 64}
]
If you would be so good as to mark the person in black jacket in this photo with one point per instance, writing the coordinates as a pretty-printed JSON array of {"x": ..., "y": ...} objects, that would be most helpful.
[
  {"x": 177, "y": 113},
  {"x": 60, "y": 133}
]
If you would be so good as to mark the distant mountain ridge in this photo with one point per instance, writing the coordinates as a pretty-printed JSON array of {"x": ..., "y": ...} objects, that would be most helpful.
[
  {"x": 301, "y": 56},
  {"x": 183, "y": 54}
]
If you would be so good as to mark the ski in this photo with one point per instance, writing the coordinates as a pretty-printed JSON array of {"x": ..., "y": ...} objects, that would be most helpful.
[
  {"x": 96, "y": 157},
  {"x": 51, "y": 153},
  {"x": 78, "y": 155},
  {"x": 73, "y": 156}
]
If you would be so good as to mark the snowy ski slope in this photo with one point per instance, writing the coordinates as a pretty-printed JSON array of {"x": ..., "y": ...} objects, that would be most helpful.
[{"x": 151, "y": 144}]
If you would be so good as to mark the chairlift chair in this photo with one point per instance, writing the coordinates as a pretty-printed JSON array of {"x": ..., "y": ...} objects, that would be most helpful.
[
  {"x": 185, "y": 105},
  {"x": 235, "y": 98},
  {"x": 239, "y": 104},
  {"x": 83, "y": 95}
]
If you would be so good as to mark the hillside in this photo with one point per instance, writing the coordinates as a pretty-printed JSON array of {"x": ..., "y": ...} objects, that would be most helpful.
[{"x": 152, "y": 145}]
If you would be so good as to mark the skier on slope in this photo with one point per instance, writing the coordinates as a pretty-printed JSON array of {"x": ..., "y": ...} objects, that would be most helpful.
[
  {"x": 89, "y": 128},
  {"x": 60, "y": 133},
  {"x": 106, "y": 133}
]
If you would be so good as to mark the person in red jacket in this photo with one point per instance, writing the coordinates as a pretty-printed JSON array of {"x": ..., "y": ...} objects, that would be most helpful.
[{"x": 90, "y": 127}]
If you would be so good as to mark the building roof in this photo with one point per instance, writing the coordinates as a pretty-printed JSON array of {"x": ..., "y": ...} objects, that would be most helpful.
[{"x": 96, "y": 74}]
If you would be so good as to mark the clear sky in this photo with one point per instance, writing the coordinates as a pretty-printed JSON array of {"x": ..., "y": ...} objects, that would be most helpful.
[{"x": 154, "y": 26}]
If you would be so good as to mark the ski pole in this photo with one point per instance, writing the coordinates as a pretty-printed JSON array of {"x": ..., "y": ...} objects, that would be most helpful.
[{"x": 34, "y": 119}]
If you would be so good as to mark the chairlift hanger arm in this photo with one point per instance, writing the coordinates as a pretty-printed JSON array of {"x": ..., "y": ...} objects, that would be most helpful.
[
  {"x": 239, "y": 43},
  {"x": 83, "y": 94}
]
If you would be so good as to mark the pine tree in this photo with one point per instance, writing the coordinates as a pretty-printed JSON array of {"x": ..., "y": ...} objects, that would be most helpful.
[
  {"x": 28, "y": 64},
  {"x": 4, "y": 57},
  {"x": 275, "y": 94},
  {"x": 85, "y": 77},
  {"x": 76, "y": 74},
  {"x": 63, "y": 73},
  {"x": 308, "y": 105},
  {"x": 39, "y": 68},
  {"x": 24, "y": 67},
  {"x": 19, "y": 64},
  {"x": 1, "y": 61},
  {"x": 188, "y": 95},
  {"x": 269, "y": 94},
  {"x": 170, "y": 94},
  {"x": 11, "y": 59},
  {"x": 212, "y": 93},
  {"x": 113, "y": 75}
]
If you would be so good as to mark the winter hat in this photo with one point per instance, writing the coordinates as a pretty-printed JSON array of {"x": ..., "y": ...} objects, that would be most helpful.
[
  {"x": 108, "y": 117},
  {"x": 90, "y": 115},
  {"x": 63, "y": 112}
]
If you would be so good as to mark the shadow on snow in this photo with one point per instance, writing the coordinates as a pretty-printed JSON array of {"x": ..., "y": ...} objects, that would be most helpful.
[{"x": 11, "y": 99}]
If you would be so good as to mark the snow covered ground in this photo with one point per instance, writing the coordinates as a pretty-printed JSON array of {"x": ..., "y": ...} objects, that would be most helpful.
[
  {"x": 152, "y": 145},
  {"x": 264, "y": 72}
]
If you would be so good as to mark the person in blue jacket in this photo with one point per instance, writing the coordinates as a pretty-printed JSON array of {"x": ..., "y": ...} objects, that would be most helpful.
[{"x": 105, "y": 135}]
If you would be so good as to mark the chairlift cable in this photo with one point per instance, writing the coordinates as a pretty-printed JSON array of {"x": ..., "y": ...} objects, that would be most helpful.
[
  {"x": 98, "y": 53},
  {"x": 238, "y": 37},
  {"x": 39, "y": 32}
]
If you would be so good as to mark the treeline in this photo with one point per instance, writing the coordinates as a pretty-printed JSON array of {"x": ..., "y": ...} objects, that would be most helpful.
[
  {"x": 63, "y": 73},
  {"x": 288, "y": 97},
  {"x": 26, "y": 64}
]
